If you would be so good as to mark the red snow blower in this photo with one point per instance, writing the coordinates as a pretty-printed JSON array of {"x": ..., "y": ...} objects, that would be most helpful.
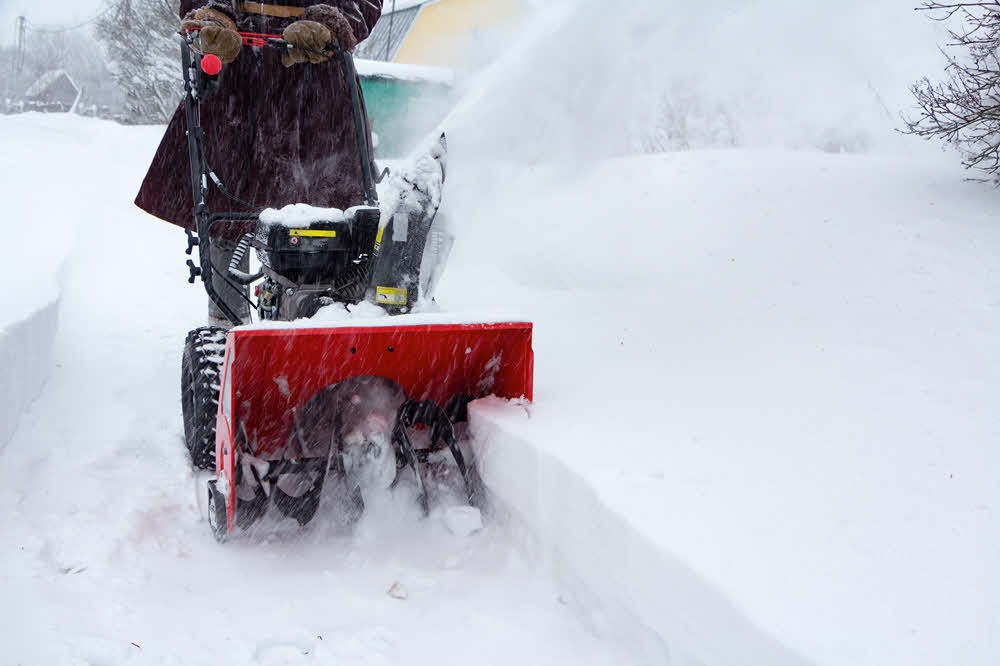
[{"x": 285, "y": 408}]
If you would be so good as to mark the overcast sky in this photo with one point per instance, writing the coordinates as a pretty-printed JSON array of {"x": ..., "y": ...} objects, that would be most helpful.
[{"x": 46, "y": 13}]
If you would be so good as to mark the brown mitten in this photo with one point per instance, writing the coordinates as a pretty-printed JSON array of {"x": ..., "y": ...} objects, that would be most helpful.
[
  {"x": 217, "y": 33},
  {"x": 335, "y": 21},
  {"x": 308, "y": 35}
]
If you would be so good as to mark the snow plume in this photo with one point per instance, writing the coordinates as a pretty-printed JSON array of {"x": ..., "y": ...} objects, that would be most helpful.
[{"x": 592, "y": 79}]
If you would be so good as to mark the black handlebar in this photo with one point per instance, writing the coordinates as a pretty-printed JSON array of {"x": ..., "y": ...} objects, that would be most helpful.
[{"x": 200, "y": 86}]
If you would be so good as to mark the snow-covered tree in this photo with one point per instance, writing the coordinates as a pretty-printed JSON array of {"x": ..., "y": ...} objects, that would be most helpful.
[
  {"x": 964, "y": 109},
  {"x": 140, "y": 38}
]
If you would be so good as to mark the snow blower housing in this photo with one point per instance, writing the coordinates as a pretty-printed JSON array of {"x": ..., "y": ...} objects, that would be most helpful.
[{"x": 282, "y": 411}]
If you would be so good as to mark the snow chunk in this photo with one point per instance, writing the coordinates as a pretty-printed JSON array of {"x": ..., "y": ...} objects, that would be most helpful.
[
  {"x": 398, "y": 591},
  {"x": 300, "y": 214}
]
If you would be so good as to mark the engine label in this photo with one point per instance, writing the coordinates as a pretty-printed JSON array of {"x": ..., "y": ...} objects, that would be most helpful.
[
  {"x": 390, "y": 296},
  {"x": 313, "y": 233}
]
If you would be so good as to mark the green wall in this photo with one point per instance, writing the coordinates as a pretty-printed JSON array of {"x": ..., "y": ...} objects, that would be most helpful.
[{"x": 403, "y": 111}]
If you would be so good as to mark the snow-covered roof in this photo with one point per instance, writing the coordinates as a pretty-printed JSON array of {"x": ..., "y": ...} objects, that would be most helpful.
[
  {"x": 46, "y": 80},
  {"x": 395, "y": 70}
]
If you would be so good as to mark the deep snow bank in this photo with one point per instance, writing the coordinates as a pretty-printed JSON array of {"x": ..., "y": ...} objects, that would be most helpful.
[
  {"x": 613, "y": 574},
  {"x": 780, "y": 367},
  {"x": 26, "y": 358},
  {"x": 42, "y": 213}
]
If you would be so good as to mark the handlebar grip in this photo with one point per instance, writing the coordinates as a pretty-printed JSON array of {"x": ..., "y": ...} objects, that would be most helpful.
[{"x": 211, "y": 64}]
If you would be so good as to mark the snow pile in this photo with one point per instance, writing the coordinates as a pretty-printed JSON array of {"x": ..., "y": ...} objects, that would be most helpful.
[
  {"x": 780, "y": 369},
  {"x": 300, "y": 215},
  {"x": 26, "y": 358},
  {"x": 614, "y": 574},
  {"x": 776, "y": 368},
  {"x": 39, "y": 232}
]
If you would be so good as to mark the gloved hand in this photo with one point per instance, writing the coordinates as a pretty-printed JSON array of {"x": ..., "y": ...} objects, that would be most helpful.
[
  {"x": 305, "y": 35},
  {"x": 217, "y": 33},
  {"x": 319, "y": 25}
]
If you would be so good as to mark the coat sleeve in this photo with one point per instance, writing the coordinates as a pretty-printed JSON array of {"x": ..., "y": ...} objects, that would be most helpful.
[
  {"x": 219, "y": 5},
  {"x": 362, "y": 15}
]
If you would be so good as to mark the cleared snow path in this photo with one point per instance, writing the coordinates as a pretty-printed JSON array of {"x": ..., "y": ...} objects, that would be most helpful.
[{"x": 105, "y": 555}]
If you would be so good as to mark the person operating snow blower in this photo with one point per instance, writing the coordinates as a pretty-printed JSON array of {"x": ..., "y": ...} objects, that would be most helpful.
[
  {"x": 278, "y": 130},
  {"x": 271, "y": 154}
]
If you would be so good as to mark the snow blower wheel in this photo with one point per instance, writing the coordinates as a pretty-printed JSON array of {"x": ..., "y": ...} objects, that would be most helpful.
[{"x": 201, "y": 367}]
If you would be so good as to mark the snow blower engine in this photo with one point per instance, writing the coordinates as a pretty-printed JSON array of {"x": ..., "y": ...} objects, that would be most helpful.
[{"x": 282, "y": 411}]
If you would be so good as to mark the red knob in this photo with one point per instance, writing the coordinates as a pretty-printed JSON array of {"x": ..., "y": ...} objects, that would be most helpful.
[{"x": 211, "y": 64}]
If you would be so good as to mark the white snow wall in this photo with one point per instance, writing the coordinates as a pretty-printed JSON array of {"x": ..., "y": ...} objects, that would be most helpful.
[
  {"x": 26, "y": 357},
  {"x": 625, "y": 586}
]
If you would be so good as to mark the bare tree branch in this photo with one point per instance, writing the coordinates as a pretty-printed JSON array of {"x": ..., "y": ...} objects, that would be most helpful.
[{"x": 964, "y": 109}]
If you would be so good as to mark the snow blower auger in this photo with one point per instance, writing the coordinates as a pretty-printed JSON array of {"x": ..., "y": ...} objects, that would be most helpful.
[{"x": 282, "y": 410}]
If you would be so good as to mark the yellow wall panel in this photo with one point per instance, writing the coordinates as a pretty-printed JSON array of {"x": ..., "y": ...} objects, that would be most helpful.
[{"x": 445, "y": 29}]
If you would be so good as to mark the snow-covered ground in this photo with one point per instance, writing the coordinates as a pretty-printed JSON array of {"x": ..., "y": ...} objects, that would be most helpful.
[
  {"x": 779, "y": 367},
  {"x": 779, "y": 364},
  {"x": 764, "y": 427},
  {"x": 783, "y": 369}
]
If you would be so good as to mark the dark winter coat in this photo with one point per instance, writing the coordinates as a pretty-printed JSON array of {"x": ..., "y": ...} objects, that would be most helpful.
[{"x": 274, "y": 135}]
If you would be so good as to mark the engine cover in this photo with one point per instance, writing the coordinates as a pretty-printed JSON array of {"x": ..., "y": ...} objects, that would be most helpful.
[{"x": 317, "y": 253}]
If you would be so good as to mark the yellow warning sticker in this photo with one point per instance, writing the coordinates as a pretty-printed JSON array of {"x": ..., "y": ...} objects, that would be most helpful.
[
  {"x": 378, "y": 239},
  {"x": 390, "y": 296},
  {"x": 313, "y": 233}
]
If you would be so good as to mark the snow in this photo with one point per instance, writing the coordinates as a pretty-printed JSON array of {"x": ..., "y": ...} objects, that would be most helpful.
[
  {"x": 26, "y": 357},
  {"x": 300, "y": 215},
  {"x": 776, "y": 368},
  {"x": 628, "y": 584},
  {"x": 780, "y": 368},
  {"x": 45, "y": 80},
  {"x": 38, "y": 238},
  {"x": 104, "y": 540},
  {"x": 404, "y": 72},
  {"x": 463, "y": 521},
  {"x": 764, "y": 427},
  {"x": 367, "y": 314}
]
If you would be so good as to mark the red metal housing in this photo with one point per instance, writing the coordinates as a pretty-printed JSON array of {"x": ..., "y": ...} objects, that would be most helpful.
[{"x": 268, "y": 373}]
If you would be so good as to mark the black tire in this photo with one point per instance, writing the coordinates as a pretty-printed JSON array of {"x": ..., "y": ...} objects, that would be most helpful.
[
  {"x": 201, "y": 374},
  {"x": 217, "y": 518}
]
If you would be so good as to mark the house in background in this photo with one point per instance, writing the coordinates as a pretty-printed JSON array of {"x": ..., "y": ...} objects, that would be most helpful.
[
  {"x": 53, "y": 91},
  {"x": 407, "y": 65},
  {"x": 439, "y": 33}
]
